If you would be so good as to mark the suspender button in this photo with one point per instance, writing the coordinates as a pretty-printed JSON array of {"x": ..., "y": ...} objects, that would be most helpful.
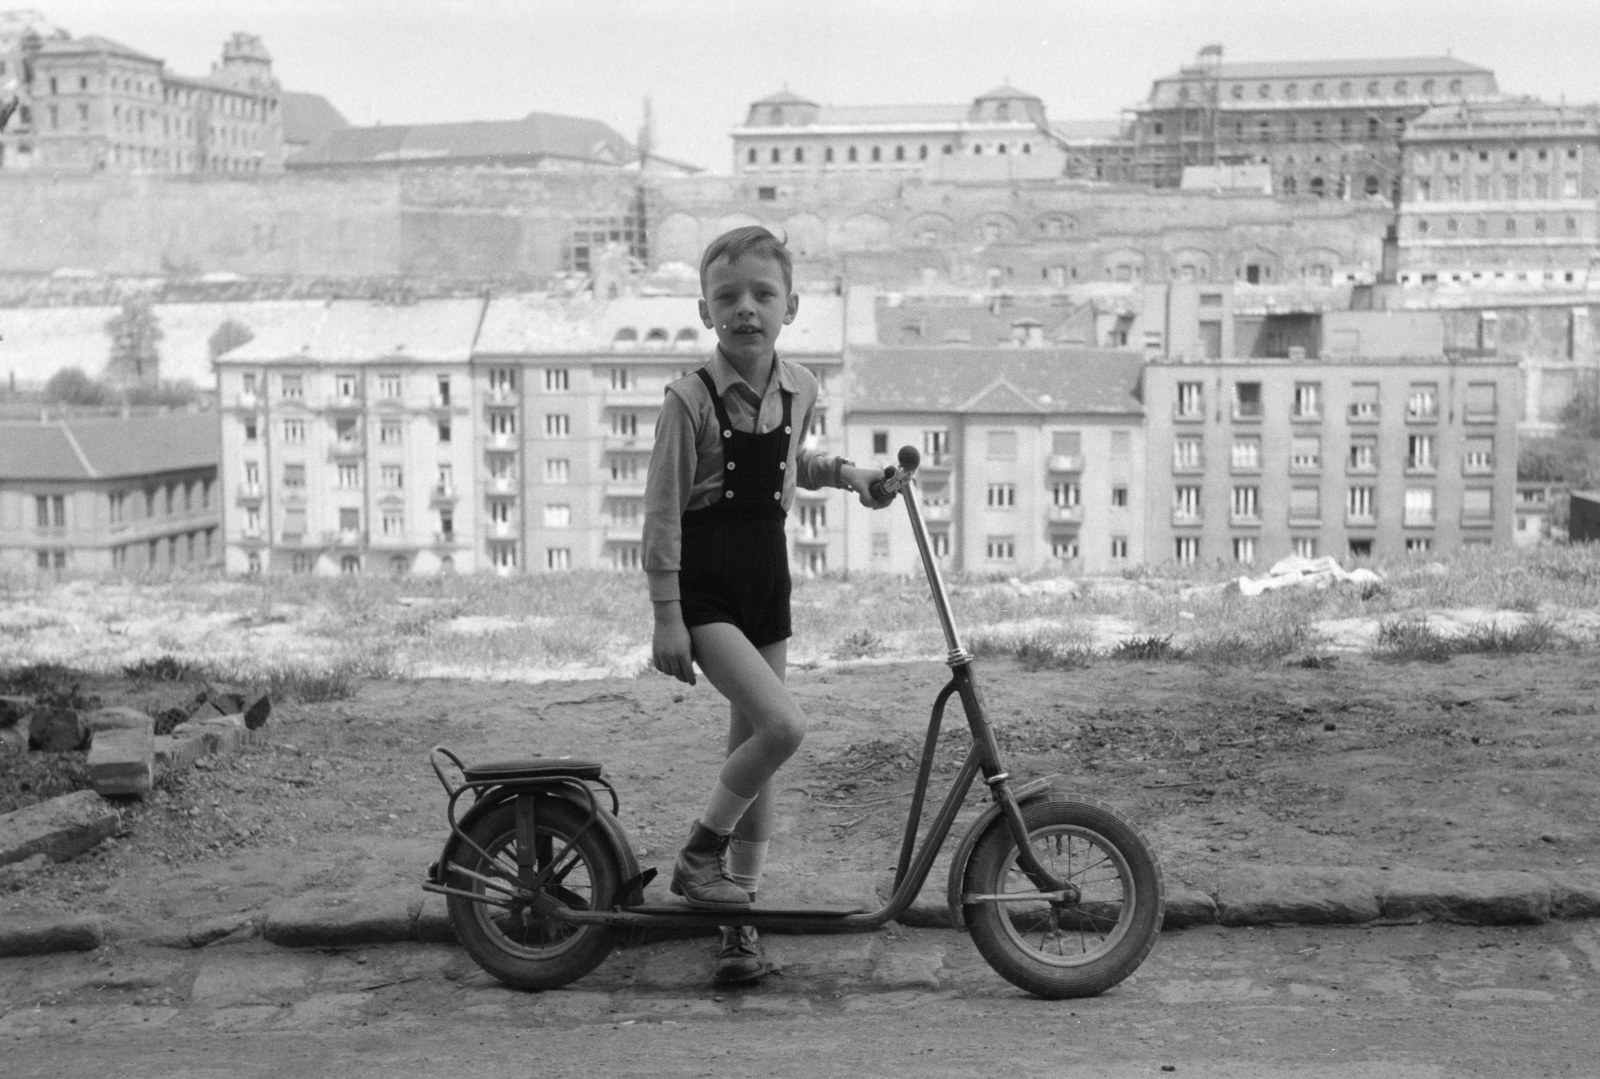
[
  {"x": 782, "y": 465},
  {"x": 727, "y": 494},
  {"x": 731, "y": 464},
  {"x": 777, "y": 494}
]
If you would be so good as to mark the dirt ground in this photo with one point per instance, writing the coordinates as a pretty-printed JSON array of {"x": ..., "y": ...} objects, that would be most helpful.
[{"x": 1483, "y": 762}]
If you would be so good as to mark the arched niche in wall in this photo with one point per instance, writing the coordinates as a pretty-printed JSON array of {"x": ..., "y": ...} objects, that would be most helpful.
[
  {"x": 1258, "y": 266},
  {"x": 863, "y": 232},
  {"x": 1056, "y": 226},
  {"x": 1124, "y": 264},
  {"x": 930, "y": 230},
  {"x": 1317, "y": 265},
  {"x": 1191, "y": 264},
  {"x": 992, "y": 228}
]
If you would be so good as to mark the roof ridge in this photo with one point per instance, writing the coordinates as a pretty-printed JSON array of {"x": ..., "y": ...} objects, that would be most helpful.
[{"x": 83, "y": 458}]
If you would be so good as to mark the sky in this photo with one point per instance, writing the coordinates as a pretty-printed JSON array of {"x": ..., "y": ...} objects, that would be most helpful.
[{"x": 701, "y": 62}]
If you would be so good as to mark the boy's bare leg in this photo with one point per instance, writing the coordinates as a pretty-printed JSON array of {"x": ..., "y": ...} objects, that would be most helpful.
[
  {"x": 756, "y": 824},
  {"x": 753, "y": 683}
]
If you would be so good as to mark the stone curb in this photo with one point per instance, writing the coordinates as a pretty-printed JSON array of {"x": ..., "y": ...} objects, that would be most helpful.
[{"x": 1259, "y": 895}]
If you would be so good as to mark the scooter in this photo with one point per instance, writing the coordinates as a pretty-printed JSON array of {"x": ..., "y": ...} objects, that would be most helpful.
[{"x": 1060, "y": 893}]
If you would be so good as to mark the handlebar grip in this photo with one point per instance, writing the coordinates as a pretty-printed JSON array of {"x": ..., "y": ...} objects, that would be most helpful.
[{"x": 879, "y": 489}]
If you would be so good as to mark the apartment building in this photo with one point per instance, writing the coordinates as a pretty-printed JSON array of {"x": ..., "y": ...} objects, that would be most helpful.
[
  {"x": 1327, "y": 128},
  {"x": 347, "y": 441},
  {"x": 1254, "y": 460},
  {"x": 109, "y": 494},
  {"x": 568, "y": 393},
  {"x": 1032, "y": 457},
  {"x": 510, "y": 435}
]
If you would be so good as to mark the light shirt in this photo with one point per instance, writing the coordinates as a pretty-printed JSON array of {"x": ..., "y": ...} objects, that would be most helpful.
[{"x": 686, "y": 465}]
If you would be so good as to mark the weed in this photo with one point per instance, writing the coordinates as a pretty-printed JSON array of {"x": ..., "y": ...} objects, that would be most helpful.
[
  {"x": 1146, "y": 648},
  {"x": 1263, "y": 645},
  {"x": 1033, "y": 651},
  {"x": 1534, "y": 635},
  {"x": 165, "y": 668},
  {"x": 859, "y": 645},
  {"x": 1403, "y": 639}
]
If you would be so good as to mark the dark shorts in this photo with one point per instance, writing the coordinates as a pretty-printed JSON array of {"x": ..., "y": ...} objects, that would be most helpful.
[{"x": 736, "y": 571}]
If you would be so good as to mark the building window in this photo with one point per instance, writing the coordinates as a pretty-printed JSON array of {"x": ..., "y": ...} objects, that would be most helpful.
[
  {"x": 1360, "y": 505},
  {"x": 389, "y": 433},
  {"x": 392, "y": 477},
  {"x": 557, "y": 470},
  {"x": 1247, "y": 400},
  {"x": 444, "y": 430},
  {"x": 1066, "y": 494},
  {"x": 557, "y": 425},
  {"x": 1363, "y": 402},
  {"x": 389, "y": 386},
  {"x": 1477, "y": 504},
  {"x": 1419, "y": 506},
  {"x": 293, "y": 386},
  {"x": 1246, "y": 455},
  {"x": 1244, "y": 549},
  {"x": 1477, "y": 456},
  {"x": 1422, "y": 404},
  {"x": 349, "y": 476},
  {"x": 344, "y": 386},
  {"x": 1363, "y": 455},
  {"x": 1418, "y": 544},
  {"x": 556, "y": 514},
  {"x": 1305, "y": 546},
  {"x": 1186, "y": 550},
  {"x": 503, "y": 556},
  {"x": 556, "y": 380},
  {"x": 1002, "y": 496},
  {"x": 294, "y": 476},
  {"x": 1190, "y": 401},
  {"x": 1119, "y": 496},
  {"x": 1307, "y": 400},
  {"x": 1000, "y": 548},
  {"x": 1419, "y": 453},
  {"x": 558, "y": 558},
  {"x": 880, "y": 442},
  {"x": 1246, "y": 504},
  {"x": 294, "y": 431},
  {"x": 1305, "y": 453},
  {"x": 1305, "y": 504},
  {"x": 1186, "y": 503},
  {"x": 1186, "y": 454}
]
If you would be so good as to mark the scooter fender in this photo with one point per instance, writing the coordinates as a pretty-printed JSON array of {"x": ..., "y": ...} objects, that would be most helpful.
[
  {"x": 1037, "y": 790},
  {"x": 610, "y": 827}
]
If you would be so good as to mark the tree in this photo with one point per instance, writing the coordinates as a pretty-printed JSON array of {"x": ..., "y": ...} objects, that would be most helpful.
[
  {"x": 134, "y": 337},
  {"x": 228, "y": 336},
  {"x": 70, "y": 386}
]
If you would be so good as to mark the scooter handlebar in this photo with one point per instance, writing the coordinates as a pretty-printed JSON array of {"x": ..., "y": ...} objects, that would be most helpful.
[{"x": 885, "y": 488}]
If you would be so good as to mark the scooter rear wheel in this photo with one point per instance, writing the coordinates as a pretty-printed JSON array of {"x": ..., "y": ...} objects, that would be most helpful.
[
  {"x": 1057, "y": 949},
  {"x": 508, "y": 938}
]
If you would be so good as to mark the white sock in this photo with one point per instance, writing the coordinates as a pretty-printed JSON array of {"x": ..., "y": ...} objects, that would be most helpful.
[
  {"x": 723, "y": 810},
  {"x": 746, "y": 859}
]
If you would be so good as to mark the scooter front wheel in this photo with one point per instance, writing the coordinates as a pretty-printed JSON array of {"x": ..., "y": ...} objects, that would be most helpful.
[
  {"x": 503, "y": 933},
  {"x": 1073, "y": 946}
]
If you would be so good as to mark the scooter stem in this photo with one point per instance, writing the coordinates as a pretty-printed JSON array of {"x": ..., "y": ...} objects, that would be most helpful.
[{"x": 941, "y": 602}]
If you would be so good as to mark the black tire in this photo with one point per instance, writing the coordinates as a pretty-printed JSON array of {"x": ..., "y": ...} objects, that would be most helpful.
[
  {"x": 509, "y": 941},
  {"x": 1058, "y": 950}
]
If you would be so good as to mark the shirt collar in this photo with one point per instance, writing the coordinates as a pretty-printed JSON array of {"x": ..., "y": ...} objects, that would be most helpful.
[{"x": 723, "y": 376}]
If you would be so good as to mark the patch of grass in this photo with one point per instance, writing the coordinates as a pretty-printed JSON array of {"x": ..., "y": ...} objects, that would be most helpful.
[
  {"x": 1034, "y": 651},
  {"x": 1265, "y": 644},
  {"x": 1146, "y": 648},
  {"x": 1406, "y": 639},
  {"x": 164, "y": 668},
  {"x": 1416, "y": 639}
]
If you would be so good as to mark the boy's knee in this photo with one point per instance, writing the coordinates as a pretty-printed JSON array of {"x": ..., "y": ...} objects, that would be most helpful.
[{"x": 789, "y": 732}]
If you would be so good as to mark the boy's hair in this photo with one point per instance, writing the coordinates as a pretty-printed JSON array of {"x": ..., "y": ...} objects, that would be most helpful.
[{"x": 748, "y": 240}]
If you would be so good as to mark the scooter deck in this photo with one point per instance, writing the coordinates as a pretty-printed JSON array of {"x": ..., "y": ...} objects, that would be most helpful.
[{"x": 737, "y": 913}]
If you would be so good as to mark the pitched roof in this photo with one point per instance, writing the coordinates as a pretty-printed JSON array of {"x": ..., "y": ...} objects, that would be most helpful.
[
  {"x": 1325, "y": 69},
  {"x": 540, "y": 324},
  {"x": 995, "y": 380},
  {"x": 1073, "y": 130},
  {"x": 893, "y": 114},
  {"x": 101, "y": 448},
  {"x": 307, "y": 117},
  {"x": 356, "y": 331},
  {"x": 783, "y": 97},
  {"x": 93, "y": 43},
  {"x": 535, "y": 136},
  {"x": 1007, "y": 92}
]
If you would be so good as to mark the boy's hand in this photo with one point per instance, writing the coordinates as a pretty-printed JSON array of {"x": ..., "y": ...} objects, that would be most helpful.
[
  {"x": 860, "y": 480},
  {"x": 671, "y": 649}
]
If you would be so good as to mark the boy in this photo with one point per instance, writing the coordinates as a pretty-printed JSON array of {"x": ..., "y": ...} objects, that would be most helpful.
[{"x": 728, "y": 454}]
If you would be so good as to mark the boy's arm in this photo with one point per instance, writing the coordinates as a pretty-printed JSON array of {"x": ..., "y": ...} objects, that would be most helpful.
[
  {"x": 815, "y": 470},
  {"x": 668, "y": 485}
]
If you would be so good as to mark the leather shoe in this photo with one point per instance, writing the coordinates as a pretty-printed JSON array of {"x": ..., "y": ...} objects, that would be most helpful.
[
  {"x": 741, "y": 957},
  {"x": 700, "y": 876}
]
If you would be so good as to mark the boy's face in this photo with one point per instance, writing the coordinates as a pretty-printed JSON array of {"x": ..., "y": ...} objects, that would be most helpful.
[{"x": 747, "y": 303}]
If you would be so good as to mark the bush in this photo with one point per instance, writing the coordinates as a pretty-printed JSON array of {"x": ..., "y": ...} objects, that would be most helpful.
[{"x": 1146, "y": 648}]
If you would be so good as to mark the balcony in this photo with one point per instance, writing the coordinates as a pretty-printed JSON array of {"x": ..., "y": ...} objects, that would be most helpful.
[
  {"x": 1064, "y": 462},
  {"x": 345, "y": 402},
  {"x": 1416, "y": 518},
  {"x": 624, "y": 531},
  {"x": 937, "y": 462},
  {"x": 444, "y": 539},
  {"x": 1360, "y": 519},
  {"x": 1066, "y": 514},
  {"x": 501, "y": 395},
  {"x": 249, "y": 492},
  {"x": 443, "y": 494},
  {"x": 1477, "y": 415},
  {"x": 502, "y": 485},
  {"x": 503, "y": 441},
  {"x": 1245, "y": 520},
  {"x": 811, "y": 537},
  {"x": 248, "y": 399},
  {"x": 345, "y": 448},
  {"x": 936, "y": 511},
  {"x": 1362, "y": 412},
  {"x": 1187, "y": 517},
  {"x": 1473, "y": 517},
  {"x": 251, "y": 535},
  {"x": 439, "y": 402},
  {"x": 1188, "y": 415},
  {"x": 501, "y": 530},
  {"x": 344, "y": 537},
  {"x": 640, "y": 443},
  {"x": 633, "y": 488}
]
